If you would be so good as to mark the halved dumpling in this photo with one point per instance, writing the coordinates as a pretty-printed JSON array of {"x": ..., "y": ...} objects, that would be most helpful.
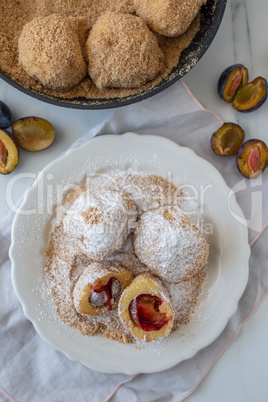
[
  {"x": 145, "y": 308},
  {"x": 99, "y": 288}
]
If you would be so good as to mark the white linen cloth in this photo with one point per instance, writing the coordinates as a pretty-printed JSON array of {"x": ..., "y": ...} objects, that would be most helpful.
[{"x": 31, "y": 370}]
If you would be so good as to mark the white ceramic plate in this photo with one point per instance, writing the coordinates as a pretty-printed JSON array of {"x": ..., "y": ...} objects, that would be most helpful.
[{"x": 227, "y": 267}]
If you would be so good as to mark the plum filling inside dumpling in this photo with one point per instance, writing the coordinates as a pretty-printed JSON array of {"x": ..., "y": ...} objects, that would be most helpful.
[
  {"x": 145, "y": 310},
  {"x": 105, "y": 294},
  {"x": 99, "y": 288}
]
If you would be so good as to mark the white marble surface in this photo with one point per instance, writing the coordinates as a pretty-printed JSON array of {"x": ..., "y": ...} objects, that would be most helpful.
[{"x": 241, "y": 372}]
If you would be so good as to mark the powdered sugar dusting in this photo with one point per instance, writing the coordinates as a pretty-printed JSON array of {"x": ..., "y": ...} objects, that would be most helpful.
[
  {"x": 68, "y": 256},
  {"x": 102, "y": 219},
  {"x": 167, "y": 242}
]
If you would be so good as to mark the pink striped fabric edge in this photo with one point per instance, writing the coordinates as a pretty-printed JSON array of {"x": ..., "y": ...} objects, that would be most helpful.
[
  {"x": 251, "y": 243},
  {"x": 117, "y": 388},
  {"x": 4, "y": 392},
  {"x": 258, "y": 234},
  {"x": 225, "y": 346},
  {"x": 199, "y": 104},
  {"x": 238, "y": 329}
]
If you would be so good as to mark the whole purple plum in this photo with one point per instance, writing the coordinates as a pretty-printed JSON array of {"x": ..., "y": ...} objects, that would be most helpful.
[{"x": 5, "y": 115}]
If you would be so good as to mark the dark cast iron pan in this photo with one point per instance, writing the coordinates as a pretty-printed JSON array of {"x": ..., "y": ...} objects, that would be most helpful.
[{"x": 211, "y": 16}]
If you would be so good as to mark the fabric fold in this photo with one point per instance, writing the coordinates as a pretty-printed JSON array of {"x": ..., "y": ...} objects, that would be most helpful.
[{"x": 32, "y": 370}]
